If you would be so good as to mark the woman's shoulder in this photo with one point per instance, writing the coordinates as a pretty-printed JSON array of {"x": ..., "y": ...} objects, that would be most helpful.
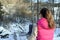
[{"x": 42, "y": 20}]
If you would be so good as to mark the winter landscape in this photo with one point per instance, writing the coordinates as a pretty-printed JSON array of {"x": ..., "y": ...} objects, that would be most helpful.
[{"x": 17, "y": 17}]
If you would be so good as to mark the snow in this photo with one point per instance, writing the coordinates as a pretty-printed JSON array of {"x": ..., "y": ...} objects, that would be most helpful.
[
  {"x": 10, "y": 38},
  {"x": 57, "y": 38},
  {"x": 14, "y": 28},
  {"x": 57, "y": 32},
  {"x": 4, "y": 31}
]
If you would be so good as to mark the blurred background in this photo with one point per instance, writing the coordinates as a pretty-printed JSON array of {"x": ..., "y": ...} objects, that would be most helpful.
[{"x": 20, "y": 15}]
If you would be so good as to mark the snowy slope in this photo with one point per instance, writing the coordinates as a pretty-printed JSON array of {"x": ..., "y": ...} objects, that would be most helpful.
[
  {"x": 14, "y": 28},
  {"x": 4, "y": 31}
]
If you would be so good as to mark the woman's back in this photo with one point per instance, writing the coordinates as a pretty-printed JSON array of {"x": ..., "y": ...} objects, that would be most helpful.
[{"x": 44, "y": 32}]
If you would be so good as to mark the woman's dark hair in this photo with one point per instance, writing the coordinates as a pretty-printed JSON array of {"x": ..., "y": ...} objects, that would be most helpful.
[{"x": 48, "y": 15}]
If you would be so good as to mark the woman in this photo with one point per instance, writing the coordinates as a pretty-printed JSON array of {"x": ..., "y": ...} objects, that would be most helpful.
[{"x": 46, "y": 25}]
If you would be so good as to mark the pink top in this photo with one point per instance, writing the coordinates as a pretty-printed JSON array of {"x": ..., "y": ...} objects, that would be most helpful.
[{"x": 44, "y": 32}]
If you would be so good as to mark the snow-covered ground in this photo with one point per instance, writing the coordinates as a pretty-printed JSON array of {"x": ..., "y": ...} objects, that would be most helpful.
[
  {"x": 14, "y": 28},
  {"x": 57, "y": 34}
]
